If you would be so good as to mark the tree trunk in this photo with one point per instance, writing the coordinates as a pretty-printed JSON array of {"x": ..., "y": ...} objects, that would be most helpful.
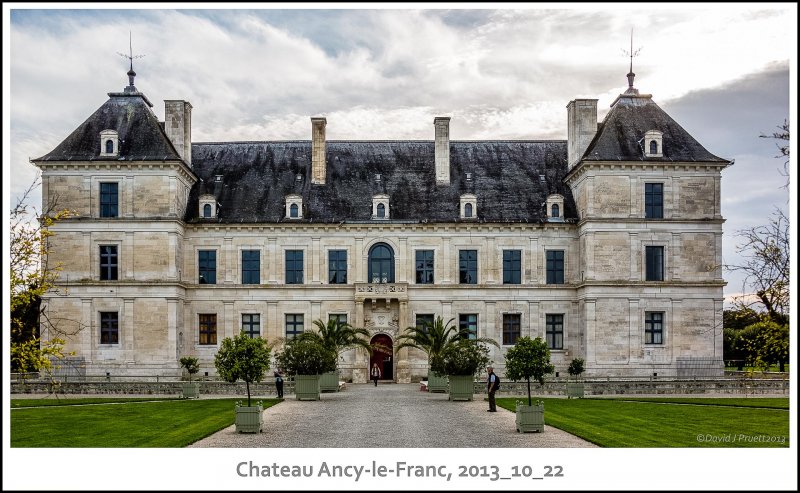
[
  {"x": 248, "y": 393},
  {"x": 529, "y": 391}
]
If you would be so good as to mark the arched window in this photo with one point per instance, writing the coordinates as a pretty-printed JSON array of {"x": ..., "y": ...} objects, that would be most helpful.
[
  {"x": 653, "y": 147},
  {"x": 293, "y": 210},
  {"x": 381, "y": 211},
  {"x": 381, "y": 263},
  {"x": 207, "y": 210},
  {"x": 109, "y": 146},
  {"x": 554, "y": 212},
  {"x": 468, "y": 210}
]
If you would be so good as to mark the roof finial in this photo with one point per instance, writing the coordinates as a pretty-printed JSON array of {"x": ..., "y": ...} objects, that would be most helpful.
[
  {"x": 631, "y": 75},
  {"x": 131, "y": 73}
]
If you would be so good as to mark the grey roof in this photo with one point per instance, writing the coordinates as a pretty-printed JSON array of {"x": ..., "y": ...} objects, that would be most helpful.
[
  {"x": 257, "y": 176},
  {"x": 632, "y": 115},
  {"x": 141, "y": 138}
]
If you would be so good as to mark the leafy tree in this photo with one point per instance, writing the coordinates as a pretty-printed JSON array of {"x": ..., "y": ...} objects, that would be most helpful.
[
  {"x": 529, "y": 358},
  {"x": 434, "y": 338},
  {"x": 243, "y": 358},
  {"x": 576, "y": 367},
  {"x": 191, "y": 365},
  {"x": 306, "y": 356},
  {"x": 464, "y": 357},
  {"x": 734, "y": 321},
  {"x": 765, "y": 343}
]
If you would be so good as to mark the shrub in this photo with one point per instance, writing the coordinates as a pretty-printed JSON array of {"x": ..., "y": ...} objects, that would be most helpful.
[
  {"x": 529, "y": 358},
  {"x": 191, "y": 365},
  {"x": 243, "y": 358},
  {"x": 306, "y": 356},
  {"x": 576, "y": 367},
  {"x": 464, "y": 357}
]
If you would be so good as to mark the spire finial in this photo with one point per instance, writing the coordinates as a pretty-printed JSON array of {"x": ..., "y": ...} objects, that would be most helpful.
[
  {"x": 631, "y": 75},
  {"x": 130, "y": 56}
]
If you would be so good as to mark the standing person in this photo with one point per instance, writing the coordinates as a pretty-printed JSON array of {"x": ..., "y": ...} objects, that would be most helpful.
[
  {"x": 375, "y": 373},
  {"x": 492, "y": 384},
  {"x": 279, "y": 384}
]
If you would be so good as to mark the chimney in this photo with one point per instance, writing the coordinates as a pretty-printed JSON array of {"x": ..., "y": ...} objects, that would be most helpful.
[
  {"x": 581, "y": 127},
  {"x": 178, "y": 125},
  {"x": 442, "y": 149},
  {"x": 318, "y": 150}
]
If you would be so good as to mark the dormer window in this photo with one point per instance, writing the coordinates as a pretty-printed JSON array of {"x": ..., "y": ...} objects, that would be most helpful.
[
  {"x": 109, "y": 143},
  {"x": 555, "y": 207},
  {"x": 652, "y": 144},
  {"x": 380, "y": 206},
  {"x": 469, "y": 206},
  {"x": 208, "y": 206},
  {"x": 294, "y": 207}
]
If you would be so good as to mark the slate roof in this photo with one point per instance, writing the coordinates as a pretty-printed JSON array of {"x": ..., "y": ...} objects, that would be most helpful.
[
  {"x": 258, "y": 175},
  {"x": 632, "y": 115},
  {"x": 141, "y": 137}
]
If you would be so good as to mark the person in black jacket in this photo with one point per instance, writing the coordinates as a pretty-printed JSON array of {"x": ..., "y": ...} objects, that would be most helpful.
[
  {"x": 279, "y": 384},
  {"x": 375, "y": 373},
  {"x": 492, "y": 384}
]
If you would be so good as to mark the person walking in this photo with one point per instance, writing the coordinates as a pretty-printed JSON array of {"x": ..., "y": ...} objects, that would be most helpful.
[
  {"x": 375, "y": 373},
  {"x": 492, "y": 384},
  {"x": 279, "y": 384}
]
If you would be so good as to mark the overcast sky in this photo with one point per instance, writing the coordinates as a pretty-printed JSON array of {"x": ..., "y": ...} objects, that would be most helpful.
[{"x": 721, "y": 71}]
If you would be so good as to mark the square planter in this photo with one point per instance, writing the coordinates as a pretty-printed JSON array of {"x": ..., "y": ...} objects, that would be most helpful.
[
  {"x": 329, "y": 382},
  {"x": 530, "y": 418},
  {"x": 436, "y": 382},
  {"x": 249, "y": 419},
  {"x": 191, "y": 390},
  {"x": 574, "y": 390},
  {"x": 461, "y": 387},
  {"x": 306, "y": 387}
]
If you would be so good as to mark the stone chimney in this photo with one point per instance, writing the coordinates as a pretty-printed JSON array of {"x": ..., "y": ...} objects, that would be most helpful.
[
  {"x": 442, "y": 149},
  {"x": 581, "y": 127},
  {"x": 178, "y": 125},
  {"x": 318, "y": 150}
]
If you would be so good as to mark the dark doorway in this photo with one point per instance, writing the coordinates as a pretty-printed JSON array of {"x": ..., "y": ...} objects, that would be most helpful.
[{"x": 384, "y": 359}]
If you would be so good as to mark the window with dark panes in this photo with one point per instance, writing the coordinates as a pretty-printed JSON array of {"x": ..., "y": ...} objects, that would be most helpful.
[
  {"x": 511, "y": 328},
  {"x": 109, "y": 200},
  {"x": 512, "y": 266},
  {"x": 424, "y": 321},
  {"x": 654, "y": 260},
  {"x": 208, "y": 329},
  {"x": 424, "y": 262},
  {"x": 207, "y": 266},
  {"x": 654, "y": 200},
  {"x": 468, "y": 266},
  {"x": 469, "y": 323},
  {"x": 554, "y": 331},
  {"x": 108, "y": 263},
  {"x": 555, "y": 266},
  {"x": 251, "y": 267},
  {"x": 654, "y": 328},
  {"x": 294, "y": 266},
  {"x": 251, "y": 324},
  {"x": 294, "y": 325},
  {"x": 109, "y": 328},
  {"x": 337, "y": 267}
]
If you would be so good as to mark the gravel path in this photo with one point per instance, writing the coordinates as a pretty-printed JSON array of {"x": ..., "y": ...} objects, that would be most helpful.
[{"x": 388, "y": 416}]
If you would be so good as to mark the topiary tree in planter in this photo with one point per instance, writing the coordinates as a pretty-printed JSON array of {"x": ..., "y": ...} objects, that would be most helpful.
[
  {"x": 460, "y": 361},
  {"x": 529, "y": 358},
  {"x": 244, "y": 358},
  {"x": 575, "y": 369},
  {"x": 192, "y": 366},
  {"x": 306, "y": 358}
]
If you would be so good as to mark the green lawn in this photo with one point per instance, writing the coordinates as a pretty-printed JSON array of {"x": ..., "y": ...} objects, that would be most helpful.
[
  {"x": 169, "y": 423},
  {"x": 616, "y": 423},
  {"x": 49, "y": 401},
  {"x": 763, "y": 402}
]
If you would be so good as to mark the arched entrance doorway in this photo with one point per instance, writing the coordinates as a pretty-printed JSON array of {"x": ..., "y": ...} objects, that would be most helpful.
[{"x": 384, "y": 360}]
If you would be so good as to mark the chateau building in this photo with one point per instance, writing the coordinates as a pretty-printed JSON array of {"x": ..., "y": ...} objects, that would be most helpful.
[{"x": 607, "y": 245}]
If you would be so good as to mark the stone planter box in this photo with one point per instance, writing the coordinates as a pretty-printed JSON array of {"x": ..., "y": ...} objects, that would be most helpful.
[
  {"x": 530, "y": 418},
  {"x": 306, "y": 387},
  {"x": 461, "y": 387},
  {"x": 574, "y": 390},
  {"x": 249, "y": 419},
  {"x": 191, "y": 390},
  {"x": 436, "y": 382},
  {"x": 329, "y": 382}
]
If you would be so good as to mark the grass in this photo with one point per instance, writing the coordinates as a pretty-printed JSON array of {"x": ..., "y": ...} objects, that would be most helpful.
[
  {"x": 616, "y": 423},
  {"x": 759, "y": 402},
  {"x": 168, "y": 423},
  {"x": 42, "y": 402}
]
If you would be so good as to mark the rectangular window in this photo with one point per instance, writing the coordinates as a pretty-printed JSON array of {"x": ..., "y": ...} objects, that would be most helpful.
[
  {"x": 424, "y": 266},
  {"x": 207, "y": 266},
  {"x": 251, "y": 267},
  {"x": 108, "y": 262},
  {"x": 654, "y": 200},
  {"x": 251, "y": 324},
  {"x": 337, "y": 266},
  {"x": 339, "y": 317},
  {"x": 424, "y": 320},
  {"x": 555, "y": 266},
  {"x": 554, "y": 331},
  {"x": 294, "y": 266},
  {"x": 469, "y": 322},
  {"x": 109, "y": 200},
  {"x": 511, "y": 328},
  {"x": 468, "y": 266},
  {"x": 109, "y": 328},
  {"x": 654, "y": 259},
  {"x": 512, "y": 267},
  {"x": 294, "y": 325},
  {"x": 654, "y": 328},
  {"x": 208, "y": 329}
]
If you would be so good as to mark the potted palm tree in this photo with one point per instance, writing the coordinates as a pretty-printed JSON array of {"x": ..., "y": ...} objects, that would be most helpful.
[
  {"x": 529, "y": 358},
  {"x": 306, "y": 358},
  {"x": 575, "y": 389},
  {"x": 244, "y": 358},
  {"x": 190, "y": 389},
  {"x": 338, "y": 337},
  {"x": 460, "y": 361}
]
